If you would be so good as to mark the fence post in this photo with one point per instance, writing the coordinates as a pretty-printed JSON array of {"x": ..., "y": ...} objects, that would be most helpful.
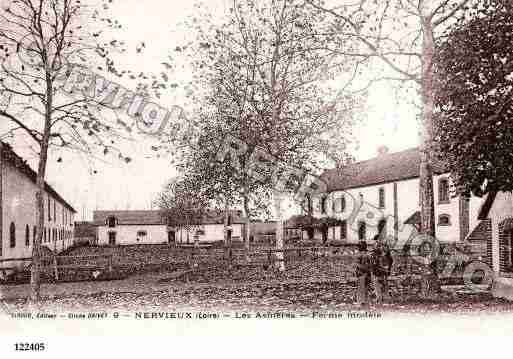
[{"x": 55, "y": 268}]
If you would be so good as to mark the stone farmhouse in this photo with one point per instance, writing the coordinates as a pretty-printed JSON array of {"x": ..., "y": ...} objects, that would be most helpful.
[
  {"x": 150, "y": 227},
  {"x": 381, "y": 195},
  {"x": 18, "y": 212}
]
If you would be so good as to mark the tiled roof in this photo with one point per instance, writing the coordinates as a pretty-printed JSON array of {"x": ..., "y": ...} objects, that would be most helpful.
[
  {"x": 129, "y": 217},
  {"x": 9, "y": 155},
  {"x": 150, "y": 217},
  {"x": 382, "y": 169}
]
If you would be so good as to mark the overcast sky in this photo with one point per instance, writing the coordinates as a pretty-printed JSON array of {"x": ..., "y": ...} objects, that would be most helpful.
[{"x": 134, "y": 185}]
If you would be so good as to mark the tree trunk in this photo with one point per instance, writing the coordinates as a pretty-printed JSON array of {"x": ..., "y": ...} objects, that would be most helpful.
[
  {"x": 35, "y": 272},
  {"x": 227, "y": 238},
  {"x": 430, "y": 280},
  {"x": 247, "y": 228},
  {"x": 280, "y": 258}
]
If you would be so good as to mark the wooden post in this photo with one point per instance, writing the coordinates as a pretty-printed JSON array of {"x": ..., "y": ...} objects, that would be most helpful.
[{"x": 55, "y": 268}]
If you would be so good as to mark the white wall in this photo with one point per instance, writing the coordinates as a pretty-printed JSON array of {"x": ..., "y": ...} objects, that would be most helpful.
[
  {"x": 19, "y": 207},
  {"x": 408, "y": 203},
  {"x": 157, "y": 234},
  {"x": 213, "y": 232},
  {"x": 127, "y": 234}
]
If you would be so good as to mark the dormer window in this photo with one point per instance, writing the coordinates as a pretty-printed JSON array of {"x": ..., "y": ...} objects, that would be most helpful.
[{"x": 111, "y": 222}]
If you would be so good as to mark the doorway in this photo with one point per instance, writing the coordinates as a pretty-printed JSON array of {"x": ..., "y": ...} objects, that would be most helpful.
[
  {"x": 112, "y": 238},
  {"x": 171, "y": 237}
]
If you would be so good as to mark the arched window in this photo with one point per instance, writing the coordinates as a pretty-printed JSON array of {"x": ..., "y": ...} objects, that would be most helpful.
[
  {"x": 27, "y": 235},
  {"x": 12, "y": 235},
  {"x": 444, "y": 220},
  {"x": 443, "y": 190},
  {"x": 44, "y": 235},
  {"x": 34, "y": 234},
  {"x": 342, "y": 204},
  {"x": 111, "y": 222}
]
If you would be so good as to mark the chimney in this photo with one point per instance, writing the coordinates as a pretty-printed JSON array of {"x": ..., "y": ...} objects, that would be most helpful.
[{"x": 382, "y": 150}]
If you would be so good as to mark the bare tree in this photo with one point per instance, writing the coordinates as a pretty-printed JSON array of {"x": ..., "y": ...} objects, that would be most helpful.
[
  {"x": 401, "y": 35},
  {"x": 271, "y": 88},
  {"x": 47, "y": 45}
]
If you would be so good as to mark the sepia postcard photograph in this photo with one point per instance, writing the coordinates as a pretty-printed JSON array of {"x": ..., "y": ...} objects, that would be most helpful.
[{"x": 176, "y": 175}]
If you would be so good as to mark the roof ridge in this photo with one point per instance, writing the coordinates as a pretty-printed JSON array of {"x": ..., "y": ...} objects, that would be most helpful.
[{"x": 374, "y": 158}]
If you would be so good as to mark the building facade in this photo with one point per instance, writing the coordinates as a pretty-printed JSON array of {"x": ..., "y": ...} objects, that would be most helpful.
[
  {"x": 496, "y": 216},
  {"x": 18, "y": 212},
  {"x": 150, "y": 227},
  {"x": 381, "y": 195}
]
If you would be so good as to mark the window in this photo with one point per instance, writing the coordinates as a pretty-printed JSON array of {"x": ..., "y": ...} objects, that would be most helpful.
[
  {"x": 443, "y": 190},
  {"x": 342, "y": 204},
  {"x": 44, "y": 235},
  {"x": 54, "y": 211},
  {"x": 111, "y": 222},
  {"x": 49, "y": 210},
  {"x": 343, "y": 230},
  {"x": 12, "y": 235},
  {"x": 444, "y": 220},
  {"x": 142, "y": 233},
  {"x": 34, "y": 234},
  {"x": 27, "y": 235},
  {"x": 323, "y": 204},
  {"x": 362, "y": 231},
  {"x": 381, "y": 199}
]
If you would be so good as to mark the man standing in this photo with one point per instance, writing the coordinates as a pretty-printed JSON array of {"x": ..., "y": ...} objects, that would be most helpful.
[
  {"x": 363, "y": 274},
  {"x": 382, "y": 261}
]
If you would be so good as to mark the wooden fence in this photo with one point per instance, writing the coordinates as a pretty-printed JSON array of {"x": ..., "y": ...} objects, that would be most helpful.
[{"x": 55, "y": 265}]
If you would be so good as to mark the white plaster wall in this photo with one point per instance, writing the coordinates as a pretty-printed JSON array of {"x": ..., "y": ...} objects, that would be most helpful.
[
  {"x": 127, "y": 234},
  {"x": 408, "y": 203},
  {"x": 369, "y": 211},
  {"x": 19, "y": 207},
  {"x": 213, "y": 232}
]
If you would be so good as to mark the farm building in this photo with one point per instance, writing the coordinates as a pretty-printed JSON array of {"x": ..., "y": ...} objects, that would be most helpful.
[
  {"x": 381, "y": 195},
  {"x": 150, "y": 227},
  {"x": 18, "y": 212}
]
